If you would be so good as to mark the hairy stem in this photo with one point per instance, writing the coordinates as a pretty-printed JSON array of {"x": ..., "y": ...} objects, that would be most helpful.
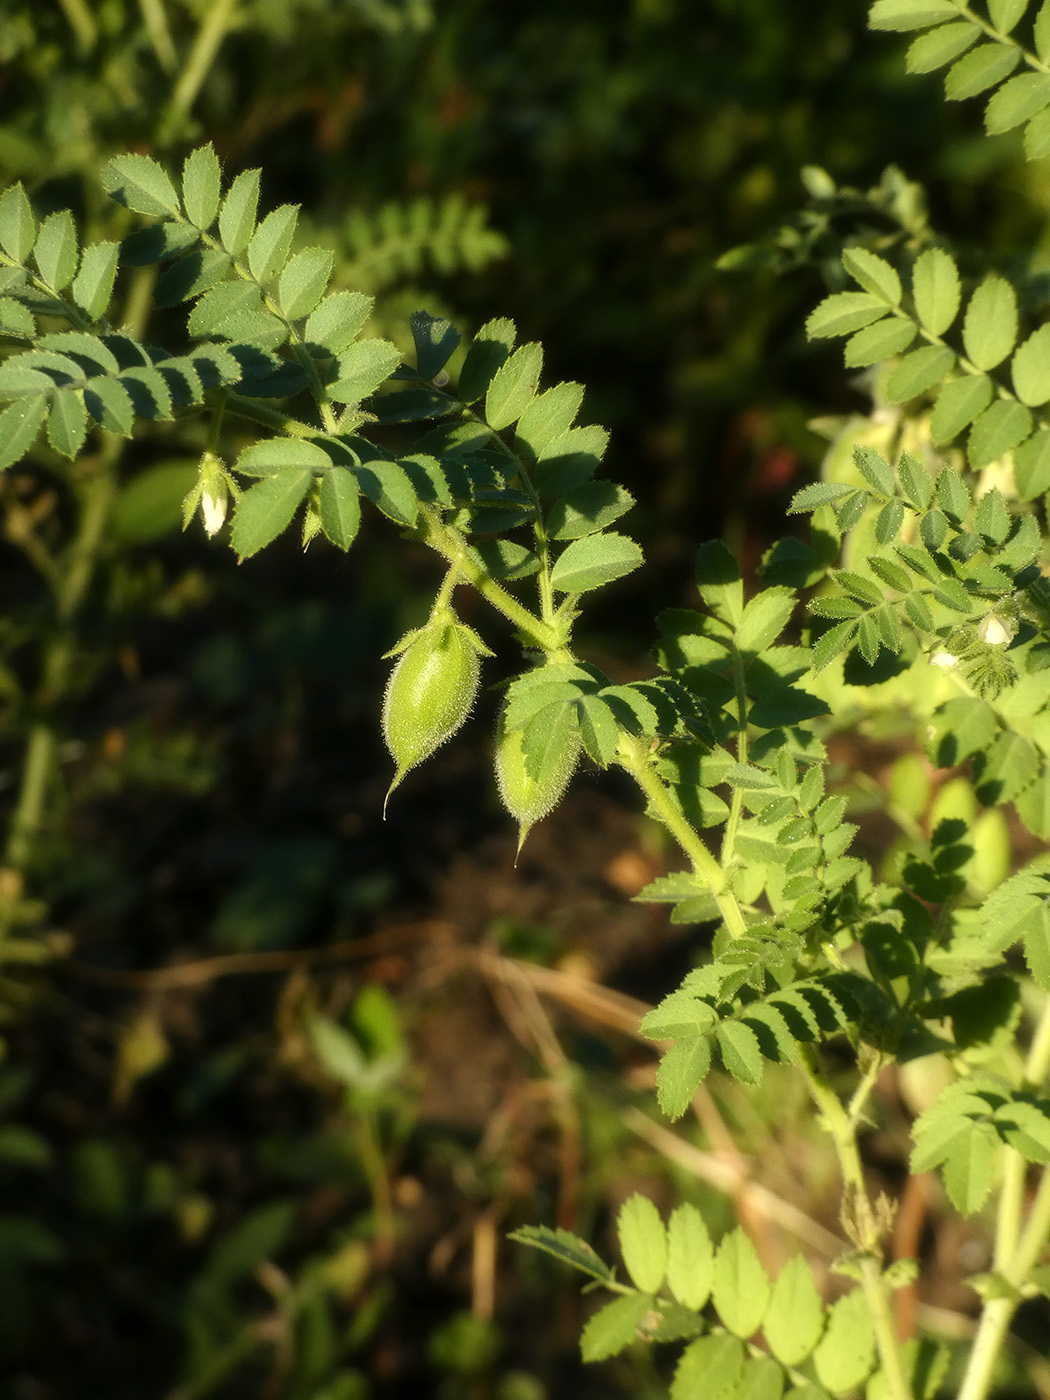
[
  {"x": 737, "y": 804},
  {"x": 452, "y": 546},
  {"x": 632, "y": 754},
  {"x": 1018, "y": 1242},
  {"x": 859, "y": 1218}
]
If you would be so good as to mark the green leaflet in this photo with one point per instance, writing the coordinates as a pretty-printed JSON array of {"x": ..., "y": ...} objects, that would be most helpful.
[
  {"x": 709, "y": 1367},
  {"x": 201, "y": 186},
  {"x": 237, "y": 216},
  {"x": 1016, "y": 102},
  {"x": 55, "y": 251},
  {"x": 141, "y": 184},
  {"x": 936, "y": 289},
  {"x": 844, "y": 312},
  {"x": 435, "y": 340},
  {"x": 17, "y": 224},
  {"x": 940, "y": 46},
  {"x": 690, "y": 1257},
  {"x": 643, "y": 1243},
  {"x": 614, "y": 1327},
  {"x": 303, "y": 282},
  {"x": 546, "y": 418},
  {"x": 880, "y": 341},
  {"x": 845, "y": 1355},
  {"x": 1030, "y": 368},
  {"x": 680, "y": 1072},
  {"x": 1032, "y": 466},
  {"x": 873, "y": 273},
  {"x": 594, "y": 561},
  {"x": 565, "y": 1247},
  {"x": 488, "y": 351},
  {"x": 19, "y": 425},
  {"x": 919, "y": 371},
  {"x": 513, "y": 386},
  {"x": 266, "y": 510},
  {"x": 741, "y": 1289},
  {"x": 794, "y": 1319},
  {"x": 586, "y": 509},
  {"x": 990, "y": 324},
  {"x": 903, "y": 15},
  {"x": 337, "y": 321},
  {"x": 959, "y": 402},
  {"x": 93, "y": 284},
  {"x": 361, "y": 369},
  {"x": 980, "y": 69},
  {"x": 998, "y": 429}
]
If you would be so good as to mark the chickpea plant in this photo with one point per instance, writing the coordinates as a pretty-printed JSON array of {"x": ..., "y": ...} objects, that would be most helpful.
[{"x": 920, "y": 596}]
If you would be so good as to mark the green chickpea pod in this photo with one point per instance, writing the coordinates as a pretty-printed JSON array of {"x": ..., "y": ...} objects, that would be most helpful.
[
  {"x": 431, "y": 689},
  {"x": 530, "y": 792}
]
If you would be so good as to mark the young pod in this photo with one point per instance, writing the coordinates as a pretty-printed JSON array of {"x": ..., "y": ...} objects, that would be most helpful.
[
  {"x": 430, "y": 691},
  {"x": 532, "y": 788}
]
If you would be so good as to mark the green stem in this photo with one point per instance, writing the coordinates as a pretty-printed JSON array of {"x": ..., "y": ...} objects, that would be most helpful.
[
  {"x": 75, "y": 579},
  {"x": 452, "y": 546},
  {"x": 863, "y": 1225},
  {"x": 632, "y": 754},
  {"x": 219, "y": 18},
  {"x": 1017, "y": 1245},
  {"x": 737, "y": 804},
  {"x": 155, "y": 22},
  {"x": 82, "y": 22}
]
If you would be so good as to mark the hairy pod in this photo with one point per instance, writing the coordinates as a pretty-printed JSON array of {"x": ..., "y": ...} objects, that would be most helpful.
[
  {"x": 532, "y": 778},
  {"x": 430, "y": 691}
]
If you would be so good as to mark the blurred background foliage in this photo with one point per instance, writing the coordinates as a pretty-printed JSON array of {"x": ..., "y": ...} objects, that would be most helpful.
[{"x": 278, "y": 1077}]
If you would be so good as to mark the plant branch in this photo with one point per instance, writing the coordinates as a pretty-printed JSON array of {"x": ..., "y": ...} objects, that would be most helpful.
[{"x": 632, "y": 754}]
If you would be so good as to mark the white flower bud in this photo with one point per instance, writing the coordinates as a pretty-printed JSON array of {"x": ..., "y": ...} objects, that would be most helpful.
[
  {"x": 944, "y": 659},
  {"x": 215, "y": 493},
  {"x": 991, "y": 630}
]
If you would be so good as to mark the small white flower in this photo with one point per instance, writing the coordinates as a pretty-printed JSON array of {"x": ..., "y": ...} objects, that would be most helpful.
[
  {"x": 992, "y": 631},
  {"x": 944, "y": 659}
]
